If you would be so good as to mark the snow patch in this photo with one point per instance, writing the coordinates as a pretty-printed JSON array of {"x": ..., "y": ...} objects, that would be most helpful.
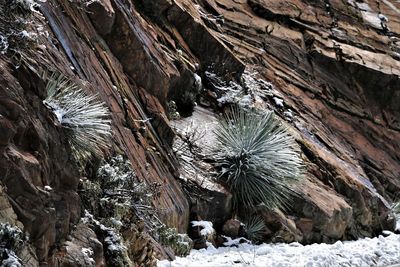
[
  {"x": 372, "y": 19},
  {"x": 198, "y": 82},
  {"x": 379, "y": 251},
  {"x": 48, "y": 188},
  {"x": 278, "y": 101},
  {"x": 246, "y": 93},
  {"x": 207, "y": 227},
  {"x": 88, "y": 255},
  {"x": 363, "y": 6},
  {"x": 235, "y": 242},
  {"x": 3, "y": 44},
  {"x": 246, "y": 101},
  {"x": 10, "y": 259},
  {"x": 288, "y": 114}
]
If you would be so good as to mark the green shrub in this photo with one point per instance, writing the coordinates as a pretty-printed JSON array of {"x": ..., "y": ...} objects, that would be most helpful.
[
  {"x": 181, "y": 244},
  {"x": 11, "y": 237},
  {"x": 257, "y": 158}
]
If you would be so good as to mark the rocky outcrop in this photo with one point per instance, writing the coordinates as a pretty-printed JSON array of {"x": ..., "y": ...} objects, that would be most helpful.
[
  {"x": 8, "y": 219},
  {"x": 41, "y": 190},
  {"x": 83, "y": 249},
  {"x": 334, "y": 67},
  {"x": 133, "y": 132},
  {"x": 209, "y": 200},
  {"x": 339, "y": 83}
]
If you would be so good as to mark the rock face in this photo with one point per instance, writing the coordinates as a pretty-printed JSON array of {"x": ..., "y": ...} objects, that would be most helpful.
[
  {"x": 334, "y": 64},
  {"x": 337, "y": 71},
  {"x": 27, "y": 163}
]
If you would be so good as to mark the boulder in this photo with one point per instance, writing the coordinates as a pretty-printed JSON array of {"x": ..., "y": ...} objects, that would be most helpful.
[{"x": 232, "y": 228}]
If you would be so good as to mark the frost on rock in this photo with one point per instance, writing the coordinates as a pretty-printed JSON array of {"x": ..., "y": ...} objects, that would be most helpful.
[
  {"x": 376, "y": 20},
  {"x": 278, "y": 102},
  {"x": 12, "y": 239},
  {"x": 115, "y": 251},
  {"x": 246, "y": 93},
  {"x": 88, "y": 255},
  {"x": 9, "y": 259},
  {"x": 15, "y": 26},
  {"x": 396, "y": 212},
  {"x": 122, "y": 192},
  {"x": 379, "y": 251}
]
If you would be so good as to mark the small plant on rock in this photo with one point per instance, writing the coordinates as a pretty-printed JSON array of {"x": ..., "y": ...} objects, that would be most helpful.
[
  {"x": 181, "y": 244},
  {"x": 396, "y": 213},
  {"x": 254, "y": 228},
  {"x": 14, "y": 26},
  {"x": 257, "y": 157},
  {"x": 84, "y": 117},
  {"x": 11, "y": 237}
]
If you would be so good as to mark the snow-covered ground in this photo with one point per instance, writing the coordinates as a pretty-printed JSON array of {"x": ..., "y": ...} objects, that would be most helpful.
[{"x": 379, "y": 251}]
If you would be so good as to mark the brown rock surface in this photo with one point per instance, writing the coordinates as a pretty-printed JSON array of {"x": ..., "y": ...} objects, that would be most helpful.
[
  {"x": 83, "y": 249},
  {"x": 209, "y": 200},
  {"x": 102, "y": 15},
  {"x": 339, "y": 76},
  {"x": 27, "y": 164},
  {"x": 334, "y": 63},
  {"x": 231, "y": 228}
]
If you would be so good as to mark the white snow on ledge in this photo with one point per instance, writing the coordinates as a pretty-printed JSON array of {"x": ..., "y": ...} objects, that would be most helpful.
[
  {"x": 207, "y": 227},
  {"x": 379, "y": 251}
]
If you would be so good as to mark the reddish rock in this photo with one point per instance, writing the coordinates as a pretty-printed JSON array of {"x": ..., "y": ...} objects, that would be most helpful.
[
  {"x": 82, "y": 249},
  {"x": 279, "y": 226},
  {"x": 7, "y": 131},
  {"x": 306, "y": 227},
  {"x": 151, "y": 160},
  {"x": 102, "y": 15},
  {"x": 232, "y": 228},
  {"x": 337, "y": 71},
  {"x": 35, "y": 155},
  {"x": 338, "y": 75}
]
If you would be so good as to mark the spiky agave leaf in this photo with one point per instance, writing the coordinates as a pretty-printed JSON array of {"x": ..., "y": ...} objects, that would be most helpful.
[
  {"x": 255, "y": 228},
  {"x": 83, "y": 116},
  {"x": 258, "y": 158},
  {"x": 396, "y": 210}
]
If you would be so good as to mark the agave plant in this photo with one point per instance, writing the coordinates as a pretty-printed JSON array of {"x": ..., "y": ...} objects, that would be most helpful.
[
  {"x": 255, "y": 227},
  {"x": 396, "y": 213},
  {"x": 84, "y": 118},
  {"x": 257, "y": 157}
]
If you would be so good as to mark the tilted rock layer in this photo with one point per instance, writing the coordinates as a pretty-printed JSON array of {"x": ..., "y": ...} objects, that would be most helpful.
[{"x": 335, "y": 65}]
